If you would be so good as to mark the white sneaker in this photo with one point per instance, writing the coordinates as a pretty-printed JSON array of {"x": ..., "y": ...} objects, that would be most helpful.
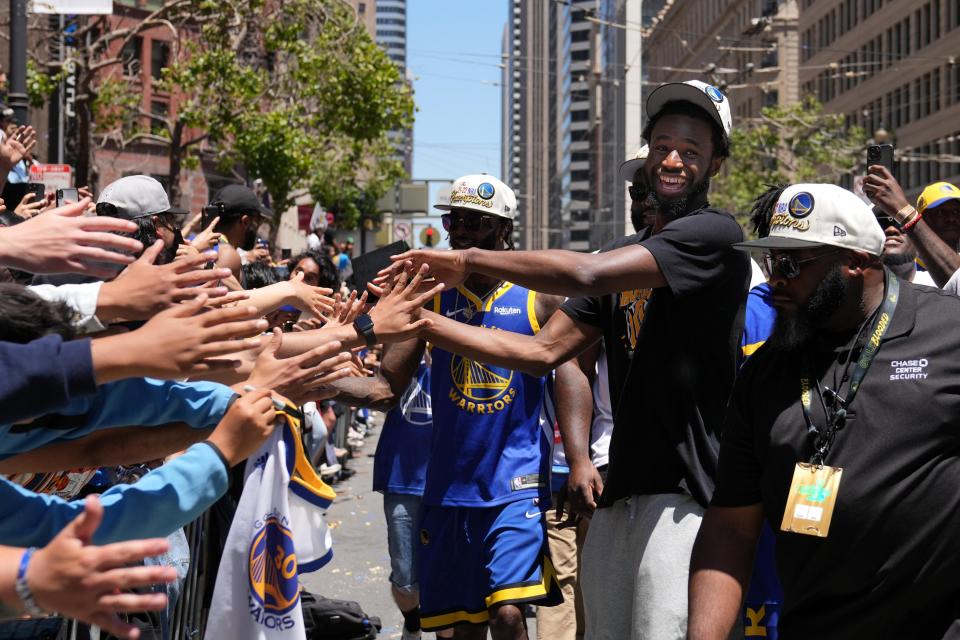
[
  {"x": 328, "y": 470},
  {"x": 409, "y": 635}
]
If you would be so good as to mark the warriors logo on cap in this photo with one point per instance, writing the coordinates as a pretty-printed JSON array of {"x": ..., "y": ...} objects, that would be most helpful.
[
  {"x": 713, "y": 93},
  {"x": 801, "y": 205},
  {"x": 485, "y": 191}
]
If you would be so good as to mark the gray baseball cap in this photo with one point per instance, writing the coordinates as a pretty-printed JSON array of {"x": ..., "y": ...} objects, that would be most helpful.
[{"x": 136, "y": 197}]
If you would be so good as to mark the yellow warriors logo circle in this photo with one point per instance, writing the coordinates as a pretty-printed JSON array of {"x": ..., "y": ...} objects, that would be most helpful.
[
  {"x": 479, "y": 382},
  {"x": 273, "y": 568}
]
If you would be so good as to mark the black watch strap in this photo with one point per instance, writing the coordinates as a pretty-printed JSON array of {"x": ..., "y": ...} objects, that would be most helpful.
[{"x": 364, "y": 326}]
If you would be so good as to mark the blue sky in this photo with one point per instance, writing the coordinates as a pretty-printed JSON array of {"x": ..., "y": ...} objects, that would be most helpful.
[{"x": 453, "y": 49}]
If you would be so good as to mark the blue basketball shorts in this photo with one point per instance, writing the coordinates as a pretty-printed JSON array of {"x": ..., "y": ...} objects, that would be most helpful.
[{"x": 475, "y": 558}]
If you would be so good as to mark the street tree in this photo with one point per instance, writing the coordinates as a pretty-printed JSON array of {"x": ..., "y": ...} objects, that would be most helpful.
[
  {"x": 798, "y": 143},
  {"x": 293, "y": 92}
]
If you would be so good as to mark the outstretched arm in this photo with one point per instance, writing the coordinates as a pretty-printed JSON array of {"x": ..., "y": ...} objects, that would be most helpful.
[
  {"x": 554, "y": 271},
  {"x": 560, "y": 339},
  {"x": 939, "y": 258},
  {"x": 384, "y": 390}
]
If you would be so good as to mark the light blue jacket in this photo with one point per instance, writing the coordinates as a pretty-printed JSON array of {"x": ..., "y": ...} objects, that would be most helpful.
[
  {"x": 158, "y": 504},
  {"x": 125, "y": 403}
]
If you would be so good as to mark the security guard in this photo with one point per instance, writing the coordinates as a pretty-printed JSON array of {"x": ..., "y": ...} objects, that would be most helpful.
[{"x": 842, "y": 433}]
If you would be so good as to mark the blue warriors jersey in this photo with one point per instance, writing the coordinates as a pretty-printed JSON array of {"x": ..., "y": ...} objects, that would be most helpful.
[
  {"x": 489, "y": 445},
  {"x": 761, "y": 607},
  {"x": 758, "y": 321},
  {"x": 400, "y": 463}
]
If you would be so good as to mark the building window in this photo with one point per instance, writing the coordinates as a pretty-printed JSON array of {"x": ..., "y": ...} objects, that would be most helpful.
[
  {"x": 159, "y": 57},
  {"x": 580, "y": 235},
  {"x": 161, "y": 110},
  {"x": 132, "y": 56}
]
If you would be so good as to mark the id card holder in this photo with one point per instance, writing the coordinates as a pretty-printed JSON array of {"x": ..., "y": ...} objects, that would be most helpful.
[{"x": 812, "y": 497}]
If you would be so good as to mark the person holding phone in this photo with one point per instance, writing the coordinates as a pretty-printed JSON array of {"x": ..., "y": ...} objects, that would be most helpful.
[
  {"x": 241, "y": 213},
  {"x": 142, "y": 200}
]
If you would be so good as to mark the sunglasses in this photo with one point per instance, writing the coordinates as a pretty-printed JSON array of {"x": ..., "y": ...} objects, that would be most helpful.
[
  {"x": 470, "y": 223},
  {"x": 787, "y": 265},
  {"x": 886, "y": 221}
]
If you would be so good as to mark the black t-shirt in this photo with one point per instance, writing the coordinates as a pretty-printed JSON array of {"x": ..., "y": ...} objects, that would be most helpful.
[
  {"x": 890, "y": 566},
  {"x": 668, "y": 404}
]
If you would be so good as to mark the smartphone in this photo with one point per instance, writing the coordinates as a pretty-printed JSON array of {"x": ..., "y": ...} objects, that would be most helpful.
[
  {"x": 285, "y": 254},
  {"x": 65, "y": 196},
  {"x": 366, "y": 266},
  {"x": 881, "y": 154},
  {"x": 38, "y": 189}
]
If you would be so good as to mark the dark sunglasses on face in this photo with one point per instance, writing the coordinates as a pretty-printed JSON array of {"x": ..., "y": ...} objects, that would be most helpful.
[
  {"x": 470, "y": 223},
  {"x": 885, "y": 221},
  {"x": 787, "y": 265}
]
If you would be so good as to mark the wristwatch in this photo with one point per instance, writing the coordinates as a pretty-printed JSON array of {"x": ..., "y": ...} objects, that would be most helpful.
[{"x": 364, "y": 326}]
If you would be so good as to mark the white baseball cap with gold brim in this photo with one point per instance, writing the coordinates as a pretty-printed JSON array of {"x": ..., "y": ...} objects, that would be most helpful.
[
  {"x": 814, "y": 215},
  {"x": 483, "y": 193}
]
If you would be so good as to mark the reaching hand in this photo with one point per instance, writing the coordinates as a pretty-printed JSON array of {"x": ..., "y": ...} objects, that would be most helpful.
[
  {"x": 178, "y": 343},
  {"x": 395, "y": 316},
  {"x": 248, "y": 423},
  {"x": 294, "y": 376},
  {"x": 29, "y": 206},
  {"x": 314, "y": 300},
  {"x": 448, "y": 267},
  {"x": 346, "y": 311},
  {"x": 143, "y": 288},
  {"x": 63, "y": 240},
  {"x": 206, "y": 239},
  {"x": 15, "y": 147},
  {"x": 87, "y": 582},
  {"x": 884, "y": 190}
]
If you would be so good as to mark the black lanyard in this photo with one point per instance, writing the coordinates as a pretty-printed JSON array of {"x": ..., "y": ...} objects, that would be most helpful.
[{"x": 837, "y": 413}]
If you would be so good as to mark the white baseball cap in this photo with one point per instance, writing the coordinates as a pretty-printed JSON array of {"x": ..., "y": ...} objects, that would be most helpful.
[
  {"x": 705, "y": 96},
  {"x": 136, "y": 197},
  {"x": 813, "y": 215},
  {"x": 629, "y": 168},
  {"x": 483, "y": 193}
]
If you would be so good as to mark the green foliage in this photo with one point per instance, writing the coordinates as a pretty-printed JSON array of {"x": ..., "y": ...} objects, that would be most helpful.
[
  {"x": 41, "y": 84},
  {"x": 800, "y": 143},
  {"x": 296, "y": 93}
]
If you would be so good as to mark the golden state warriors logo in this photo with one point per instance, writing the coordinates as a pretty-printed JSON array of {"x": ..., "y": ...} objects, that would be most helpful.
[
  {"x": 272, "y": 568},
  {"x": 485, "y": 190},
  {"x": 801, "y": 205},
  {"x": 480, "y": 388}
]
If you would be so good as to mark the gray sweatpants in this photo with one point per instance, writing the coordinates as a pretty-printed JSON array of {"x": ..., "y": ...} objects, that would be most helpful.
[{"x": 634, "y": 568}]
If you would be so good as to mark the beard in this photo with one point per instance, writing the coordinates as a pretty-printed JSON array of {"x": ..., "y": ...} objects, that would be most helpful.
[
  {"x": 897, "y": 259},
  {"x": 680, "y": 206},
  {"x": 249, "y": 240},
  {"x": 792, "y": 331}
]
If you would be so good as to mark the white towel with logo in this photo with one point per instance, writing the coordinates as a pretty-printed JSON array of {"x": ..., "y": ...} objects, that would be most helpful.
[{"x": 278, "y": 532}]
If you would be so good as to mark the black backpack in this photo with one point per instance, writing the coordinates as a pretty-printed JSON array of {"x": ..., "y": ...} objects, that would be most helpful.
[{"x": 327, "y": 619}]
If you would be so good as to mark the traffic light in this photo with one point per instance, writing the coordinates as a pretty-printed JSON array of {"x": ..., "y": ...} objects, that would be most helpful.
[{"x": 428, "y": 238}]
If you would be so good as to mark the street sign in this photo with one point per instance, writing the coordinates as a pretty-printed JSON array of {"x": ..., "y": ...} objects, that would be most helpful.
[
  {"x": 53, "y": 176},
  {"x": 73, "y": 7},
  {"x": 402, "y": 230}
]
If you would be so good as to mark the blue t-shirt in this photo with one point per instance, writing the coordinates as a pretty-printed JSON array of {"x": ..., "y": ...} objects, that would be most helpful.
[
  {"x": 400, "y": 463},
  {"x": 489, "y": 447},
  {"x": 758, "y": 321}
]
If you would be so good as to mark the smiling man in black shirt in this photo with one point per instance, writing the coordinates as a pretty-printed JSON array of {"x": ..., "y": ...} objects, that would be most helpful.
[
  {"x": 668, "y": 303},
  {"x": 842, "y": 433}
]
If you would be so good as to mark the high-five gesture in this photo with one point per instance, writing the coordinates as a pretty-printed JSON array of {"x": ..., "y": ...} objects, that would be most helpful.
[
  {"x": 396, "y": 316},
  {"x": 63, "y": 240},
  {"x": 446, "y": 267},
  {"x": 87, "y": 582},
  {"x": 294, "y": 377},
  {"x": 143, "y": 288}
]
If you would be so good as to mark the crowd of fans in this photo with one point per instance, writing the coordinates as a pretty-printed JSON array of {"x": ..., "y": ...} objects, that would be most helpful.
[{"x": 645, "y": 442}]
